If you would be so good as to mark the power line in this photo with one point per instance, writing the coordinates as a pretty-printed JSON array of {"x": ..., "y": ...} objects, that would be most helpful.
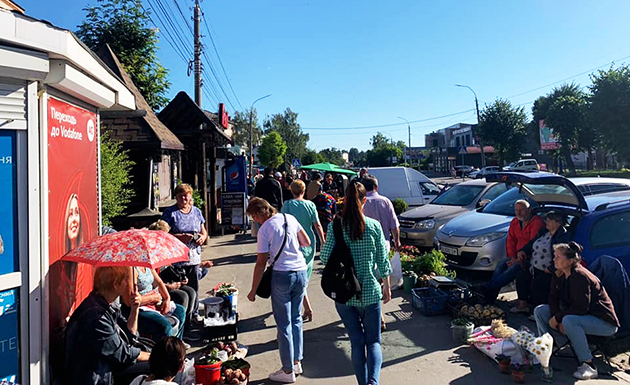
[
  {"x": 176, "y": 29},
  {"x": 569, "y": 78},
  {"x": 181, "y": 13},
  {"x": 387, "y": 125},
  {"x": 167, "y": 36},
  {"x": 205, "y": 22}
]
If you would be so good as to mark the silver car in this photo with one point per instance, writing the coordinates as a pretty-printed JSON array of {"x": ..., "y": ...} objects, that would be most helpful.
[
  {"x": 419, "y": 225},
  {"x": 476, "y": 240}
]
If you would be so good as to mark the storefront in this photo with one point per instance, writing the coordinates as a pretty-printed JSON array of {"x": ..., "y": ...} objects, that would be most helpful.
[{"x": 52, "y": 89}]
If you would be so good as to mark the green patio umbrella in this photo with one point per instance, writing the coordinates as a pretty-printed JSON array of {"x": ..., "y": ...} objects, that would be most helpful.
[{"x": 330, "y": 167}]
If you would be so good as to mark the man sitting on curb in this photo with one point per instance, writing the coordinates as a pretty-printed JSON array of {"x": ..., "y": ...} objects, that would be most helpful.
[{"x": 523, "y": 228}]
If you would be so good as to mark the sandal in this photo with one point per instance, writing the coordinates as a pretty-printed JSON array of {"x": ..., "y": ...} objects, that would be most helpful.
[{"x": 307, "y": 316}]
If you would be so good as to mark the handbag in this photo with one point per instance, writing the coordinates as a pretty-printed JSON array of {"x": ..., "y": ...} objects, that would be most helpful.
[
  {"x": 264, "y": 287},
  {"x": 339, "y": 280}
]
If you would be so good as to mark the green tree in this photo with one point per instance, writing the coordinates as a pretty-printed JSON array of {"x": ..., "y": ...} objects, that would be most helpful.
[
  {"x": 503, "y": 126},
  {"x": 311, "y": 157},
  {"x": 565, "y": 111},
  {"x": 240, "y": 125},
  {"x": 383, "y": 150},
  {"x": 289, "y": 129},
  {"x": 609, "y": 112},
  {"x": 333, "y": 155},
  {"x": 115, "y": 178},
  {"x": 271, "y": 151},
  {"x": 353, "y": 154},
  {"x": 124, "y": 25}
]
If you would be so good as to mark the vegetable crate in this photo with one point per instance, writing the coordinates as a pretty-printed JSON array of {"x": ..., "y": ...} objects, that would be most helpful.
[{"x": 430, "y": 301}]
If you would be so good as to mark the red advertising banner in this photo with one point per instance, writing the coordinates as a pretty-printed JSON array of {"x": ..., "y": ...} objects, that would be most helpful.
[{"x": 72, "y": 204}]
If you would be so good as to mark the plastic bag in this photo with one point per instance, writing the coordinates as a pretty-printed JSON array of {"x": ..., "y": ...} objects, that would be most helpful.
[
  {"x": 187, "y": 375},
  {"x": 501, "y": 346},
  {"x": 396, "y": 278}
]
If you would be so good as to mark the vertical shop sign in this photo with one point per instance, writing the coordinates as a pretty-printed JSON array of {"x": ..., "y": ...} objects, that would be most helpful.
[
  {"x": 73, "y": 204},
  {"x": 8, "y": 203},
  {"x": 9, "y": 341}
]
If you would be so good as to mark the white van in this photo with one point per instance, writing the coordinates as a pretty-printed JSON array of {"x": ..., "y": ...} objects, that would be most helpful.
[
  {"x": 406, "y": 183},
  {"x": 524, "y": 165}
]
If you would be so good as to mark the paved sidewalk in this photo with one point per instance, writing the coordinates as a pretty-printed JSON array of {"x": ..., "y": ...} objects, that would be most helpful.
[{"x": 416, "y": 349}]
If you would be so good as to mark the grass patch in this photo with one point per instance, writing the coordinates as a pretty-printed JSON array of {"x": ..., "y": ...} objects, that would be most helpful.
[{"x": 624, "y": 173}]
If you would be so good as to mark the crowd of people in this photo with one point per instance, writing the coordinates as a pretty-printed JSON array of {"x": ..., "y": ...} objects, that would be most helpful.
[{"x": 102, "y": 343}]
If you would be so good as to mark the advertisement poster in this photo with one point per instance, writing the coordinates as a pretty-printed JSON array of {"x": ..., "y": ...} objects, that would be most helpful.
[
  {"x": 73, "y": 205},
  {"x": 8, "y": 203},
  {"x": 9, "y": 341},
  {"x": 235, "y": 175},
  {"x": 233, "y": 209},
  {"x": 547, "y": 140}
]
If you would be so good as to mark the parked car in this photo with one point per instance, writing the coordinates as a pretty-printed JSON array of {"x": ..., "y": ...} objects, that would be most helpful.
[
  {"x": 406, "y": 183},
  {"x": 523, "y": 165},
  {"x": 418, "y": 226},
  {"x": 463, "y": 170},
  {"x": 476, "y": 241},
  {"x": 483, "y": 172}
]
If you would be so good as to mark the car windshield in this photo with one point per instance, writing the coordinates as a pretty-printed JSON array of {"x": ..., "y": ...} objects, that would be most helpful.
[
  {"x": 504, "y": 203},
  {"x": 459, "y": 195}
]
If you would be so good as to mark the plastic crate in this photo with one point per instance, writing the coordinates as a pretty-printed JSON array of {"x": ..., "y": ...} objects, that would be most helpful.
[
  {"x": 458, "y": 295},
  {"x": 430, "y": 301}
]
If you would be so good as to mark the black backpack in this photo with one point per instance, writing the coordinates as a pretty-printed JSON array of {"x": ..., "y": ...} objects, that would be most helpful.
[{"x": 339, "y": 280}]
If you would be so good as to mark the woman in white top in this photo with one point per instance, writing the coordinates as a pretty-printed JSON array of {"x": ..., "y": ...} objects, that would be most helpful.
[{"x": 288, "y": 281}]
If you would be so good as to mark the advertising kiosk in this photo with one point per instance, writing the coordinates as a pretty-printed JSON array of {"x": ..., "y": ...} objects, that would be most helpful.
[{"x": 52, "y": 89}]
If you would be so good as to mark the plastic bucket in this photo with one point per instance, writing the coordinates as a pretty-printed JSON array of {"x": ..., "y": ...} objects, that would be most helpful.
[
  {"x": 208, "y": 374},
  {"x": 408, "y": 283},
  {"x": 212, "y": 306},
  {"x": 461, "y": 332}
]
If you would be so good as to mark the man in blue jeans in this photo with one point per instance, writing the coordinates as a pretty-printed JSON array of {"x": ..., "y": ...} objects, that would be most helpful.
[{"x": 523, "y": 228}]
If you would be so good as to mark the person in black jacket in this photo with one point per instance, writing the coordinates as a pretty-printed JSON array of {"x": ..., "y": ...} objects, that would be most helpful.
[
  {"x": 269, "y": 189},
  {"x": 532, "y": 283},
  {"x": 99, "y": 339}
]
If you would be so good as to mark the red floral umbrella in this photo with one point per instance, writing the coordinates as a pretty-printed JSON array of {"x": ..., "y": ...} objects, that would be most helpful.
[{"x": 148, "y": 248}]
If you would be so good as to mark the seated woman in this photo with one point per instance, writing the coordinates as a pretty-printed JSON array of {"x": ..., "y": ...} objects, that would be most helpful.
[
  {"x": 578, "y": 305},
  {"x": 98, "y": 338},
  {"x": 532, "y": 284},
  {"x": 156, "y": 307},
  {"x": 175, "y": 280}
]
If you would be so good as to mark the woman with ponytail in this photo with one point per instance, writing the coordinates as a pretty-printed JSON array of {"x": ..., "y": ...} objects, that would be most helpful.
[
  {"x": 578, "y": 305},
  {"x": 362, "y": 316}
]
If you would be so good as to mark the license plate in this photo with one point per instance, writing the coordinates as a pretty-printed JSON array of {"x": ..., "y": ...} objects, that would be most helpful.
[
  {"x": 403, "y": 235},
  {"x": 449, "y": 250}
]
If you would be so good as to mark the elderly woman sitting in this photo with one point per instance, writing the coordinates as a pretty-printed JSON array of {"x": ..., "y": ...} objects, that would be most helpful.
[
  {"x": 532, "y": 283},
  {"x": 578, "y": 305},
  {"x": 98, "y": 337}
]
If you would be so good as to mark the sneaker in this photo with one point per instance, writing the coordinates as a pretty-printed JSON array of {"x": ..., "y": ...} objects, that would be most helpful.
[
  {"x": 585, "y": 372},
  {"x": 516, "y": 309},
  {"x": 282, "y": 377},
  {"x": 297, "y": 369}
]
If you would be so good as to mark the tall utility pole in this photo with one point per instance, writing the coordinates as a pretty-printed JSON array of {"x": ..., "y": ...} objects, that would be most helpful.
[
  {"x": 251, "y": 135},
  {"x": 483, "y": 156},
  {"x": 197, "y": 59},
  {"x": 409, "y": 131}
]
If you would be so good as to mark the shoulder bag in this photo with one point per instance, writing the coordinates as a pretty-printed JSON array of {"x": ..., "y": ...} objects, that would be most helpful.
[
  {"x": 264, "y": 287},
  {"x": 339, "y": 280}
]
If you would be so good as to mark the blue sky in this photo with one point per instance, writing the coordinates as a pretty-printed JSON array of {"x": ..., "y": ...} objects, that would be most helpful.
[{"x": 343, "y": 64}]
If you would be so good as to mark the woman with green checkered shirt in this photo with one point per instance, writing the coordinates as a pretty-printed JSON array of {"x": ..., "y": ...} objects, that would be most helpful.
[{"x": 362, "y": 317}]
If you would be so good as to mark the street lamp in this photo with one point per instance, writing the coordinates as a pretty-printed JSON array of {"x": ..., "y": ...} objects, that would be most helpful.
[
  {"x": 251, "y": 136},
  {"x": 483, "y": 157},
  {"x": 409, "y": 131}
]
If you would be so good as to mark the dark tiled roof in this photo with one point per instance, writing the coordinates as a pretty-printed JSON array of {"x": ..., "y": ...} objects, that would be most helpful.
[
  {"x": 147, "y": 128},
  {"x": 183, "y": 116}
]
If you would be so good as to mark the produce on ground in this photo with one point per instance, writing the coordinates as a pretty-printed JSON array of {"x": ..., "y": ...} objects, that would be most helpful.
[{"x": 479, "y": 313}]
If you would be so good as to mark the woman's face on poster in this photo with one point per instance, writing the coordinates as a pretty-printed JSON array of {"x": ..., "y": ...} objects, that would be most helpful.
[{"x": 74, "y": 218}]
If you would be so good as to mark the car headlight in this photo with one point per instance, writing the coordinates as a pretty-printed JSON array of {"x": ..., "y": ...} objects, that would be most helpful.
[
  {"x": 481, "y": 240},
  {"x": 426, "y": 224}
]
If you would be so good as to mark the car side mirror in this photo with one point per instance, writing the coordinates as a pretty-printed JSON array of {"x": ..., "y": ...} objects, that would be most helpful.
[{"x": 483, "y": 202}]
